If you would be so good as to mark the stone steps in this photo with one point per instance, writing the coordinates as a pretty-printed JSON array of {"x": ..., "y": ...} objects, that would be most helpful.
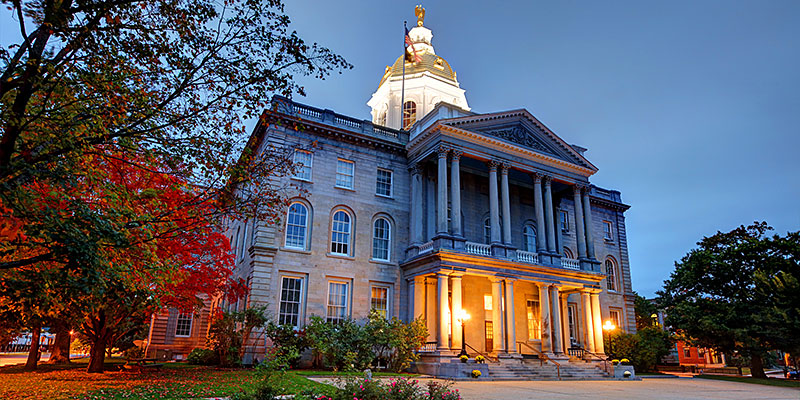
[{"x": 532, "y": 370}]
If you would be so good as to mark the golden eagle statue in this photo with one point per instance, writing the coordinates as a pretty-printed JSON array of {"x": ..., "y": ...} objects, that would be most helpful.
[{"x": 419, "y": 11}]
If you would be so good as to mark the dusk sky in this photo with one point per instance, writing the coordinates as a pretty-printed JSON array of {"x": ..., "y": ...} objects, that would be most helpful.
[{"x": 690, "y": 108}]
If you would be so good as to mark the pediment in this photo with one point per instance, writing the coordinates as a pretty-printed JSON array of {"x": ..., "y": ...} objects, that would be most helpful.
[{"x": 521, "y": 128}]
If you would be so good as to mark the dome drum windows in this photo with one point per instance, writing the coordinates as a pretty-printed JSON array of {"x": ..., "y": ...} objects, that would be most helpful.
[{"x": 409, "y": 114}]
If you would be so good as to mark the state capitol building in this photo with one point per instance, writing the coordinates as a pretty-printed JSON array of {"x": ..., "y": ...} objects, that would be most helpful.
[{"x": 429, "y": 210}]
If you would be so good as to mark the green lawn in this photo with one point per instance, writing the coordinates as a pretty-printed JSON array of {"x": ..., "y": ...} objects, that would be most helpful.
[
  {"x": 758, "y": 381},
  {"x": 172, "y": 381}
]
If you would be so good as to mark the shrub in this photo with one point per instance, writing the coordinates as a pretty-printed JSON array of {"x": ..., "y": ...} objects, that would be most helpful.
[
  {"x": 394, "y": 389},
  {"x": 200, "y": 356},
  {"x": 288, "y": 343},
  {"x": 224, "y": 338},
  {"x": 134, "y": 353},
  {"x": 644, "y": 349}
]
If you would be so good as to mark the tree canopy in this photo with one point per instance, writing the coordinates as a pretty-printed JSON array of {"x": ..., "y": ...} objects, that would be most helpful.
[
  {"x": 737, "y": 293},
  {"x": 122, "y": 144}
]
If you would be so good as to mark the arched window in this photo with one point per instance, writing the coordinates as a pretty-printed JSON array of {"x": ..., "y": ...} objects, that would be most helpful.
[
  {"x": 297, "y": 226},
  {"x": 611, "y": 275},
  {"x": 381, "y": 239},
  {"x": 529, "y": 238},
  {"x": 409, "y": 114},
  {"x": 340, "y": 233},
  {"x": 487, "y": 231}
]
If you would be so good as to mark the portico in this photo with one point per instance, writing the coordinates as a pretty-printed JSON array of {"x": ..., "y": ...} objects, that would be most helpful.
[{"x": 514, "y": 308}]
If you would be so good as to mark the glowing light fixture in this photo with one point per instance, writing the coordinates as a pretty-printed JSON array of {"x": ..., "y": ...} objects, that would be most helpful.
[{"x": 609, "y": 326}]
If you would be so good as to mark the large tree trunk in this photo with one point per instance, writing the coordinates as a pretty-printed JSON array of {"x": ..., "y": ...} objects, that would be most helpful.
[
  {"x": 97, "y": 355},
  {"x": 33, "y": 354},
  {"x": 757, "y": 366},
  {"x": 60, "y": 352}
]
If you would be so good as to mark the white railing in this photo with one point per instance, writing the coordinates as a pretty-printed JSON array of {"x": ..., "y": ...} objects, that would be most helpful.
[
  {"x": 570, "y": 263},
  {"x": 527, "y": 257},
  {"x": 426, "y": 247},
  {"x": 478, "y": 248}
]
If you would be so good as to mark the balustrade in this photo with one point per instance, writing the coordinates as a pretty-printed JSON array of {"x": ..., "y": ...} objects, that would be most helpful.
[
  {"x": 570, "y": 263},
  {"x": 478, "y": 248},
  {"x": 527, "y": 257},
  {"x": 426, "y": 247}
]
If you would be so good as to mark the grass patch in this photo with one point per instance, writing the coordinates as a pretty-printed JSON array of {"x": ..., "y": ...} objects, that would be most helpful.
[
  {"x": 314, "y": 372},
  {"x": 758, "y": 381},
  {"x": 172, "y": 381}
]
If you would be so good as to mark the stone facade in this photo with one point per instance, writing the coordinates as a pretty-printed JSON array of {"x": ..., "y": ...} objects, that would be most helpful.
[{"x": 536, "y": 254}]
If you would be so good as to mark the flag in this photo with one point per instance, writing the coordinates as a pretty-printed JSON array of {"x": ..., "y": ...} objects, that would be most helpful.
[{"x": 411, "y": 56}]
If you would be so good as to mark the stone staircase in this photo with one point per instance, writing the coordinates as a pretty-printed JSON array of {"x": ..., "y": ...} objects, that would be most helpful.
[{"x": 531, "y": 369}]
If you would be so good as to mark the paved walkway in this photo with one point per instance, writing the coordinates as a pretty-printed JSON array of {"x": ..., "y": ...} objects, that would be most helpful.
[{"x": 666, "y": 389}]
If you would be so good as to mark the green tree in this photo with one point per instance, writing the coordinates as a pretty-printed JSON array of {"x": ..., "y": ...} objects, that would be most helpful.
[
  {"x": 644, "y": 309},
  {"x": 732, "y": 294}
]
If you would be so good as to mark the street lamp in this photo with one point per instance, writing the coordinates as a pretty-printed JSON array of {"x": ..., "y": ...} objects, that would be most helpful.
[
  {"x": 608, "y": 326},
  {"x": 463, "y": 317}
]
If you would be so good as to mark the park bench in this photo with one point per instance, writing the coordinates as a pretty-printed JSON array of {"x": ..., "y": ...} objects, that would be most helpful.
[{"x": 140, "y": 364}]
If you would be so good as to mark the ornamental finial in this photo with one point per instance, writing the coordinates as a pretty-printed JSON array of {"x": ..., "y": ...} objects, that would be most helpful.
[{"x": 419, "y": 11}]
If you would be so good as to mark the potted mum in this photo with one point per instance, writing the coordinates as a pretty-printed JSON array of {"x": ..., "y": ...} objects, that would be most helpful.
[
  {"x": 479, "y": 359},
  {"x": 623, "y": 369},
  {"x": 464, "y": 358},
  {"x": 475, "y": 373}
]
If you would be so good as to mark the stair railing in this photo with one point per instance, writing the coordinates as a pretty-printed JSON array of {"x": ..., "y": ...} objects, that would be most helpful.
[
  {"x": 603, "y": 359},
  {"x": 486, "y": 356},
  {"x": 542, "y": 357}
]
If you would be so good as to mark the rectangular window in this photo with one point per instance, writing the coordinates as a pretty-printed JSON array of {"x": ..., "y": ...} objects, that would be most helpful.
[
  {"x": 534, "y": 324},
  {"x": 302, "y": 164},
  {"x": 607, "y": 232},
  {"x": 384, "y": 184},
  {"x": 337, "y": 302},
  {"x": 291, "y": 300},
  {"x": 487, "y": 302},
  {"x": 344, "y": 173},
  {"x": 563, "y": 218},
  {"x": 183, "y": 327},
  {"x": 380, "y": 300},
  {"x": 615, "y": 318},
  {"x": 687, "y": 352}
]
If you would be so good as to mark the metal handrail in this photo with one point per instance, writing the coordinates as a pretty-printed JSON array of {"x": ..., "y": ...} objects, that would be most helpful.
[
  {"x": 542, "y": 357},
  {"x": 603, "y": 359},
  {"x": 486, "y": 356}
]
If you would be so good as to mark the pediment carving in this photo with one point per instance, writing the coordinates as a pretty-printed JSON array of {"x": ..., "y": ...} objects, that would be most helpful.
[{"x": 521, "y": 135}]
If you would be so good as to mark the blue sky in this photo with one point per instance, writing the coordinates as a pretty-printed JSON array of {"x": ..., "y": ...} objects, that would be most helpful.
[{"x": 688, "y": 108}]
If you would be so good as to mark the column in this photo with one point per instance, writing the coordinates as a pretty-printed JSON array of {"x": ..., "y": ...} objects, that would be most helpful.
[
  {"x": 455, "y": 313},
  {"x": 555, "y": 310},
  {"x": 548, "y": 211},
  {"x": 588, "y": 324},
  {"x": 562, "y": 300},
  {"x": 441, "y": 307},
  {"x": 597, "y": 320},
  {"x": 576, "y": 196},
  {"x": 544, "y": 315},
  {"x": 587, "y": 217},
  {"x": 412, "y": 299},
  {"x": 506, "y": 202},
  {"x": 494, "y": 211},
  {"x": 430, "y": 206},
  {"x": 441, "y": 192},
  {"x": 455, "y": 194},
  {"x": 541, "y": 232},
  {"x": 419, "y": 298},
  {"x": 497, "y": 315},
  {"x": 511, "y": 327},
  {"x": 416, "y": 204}
]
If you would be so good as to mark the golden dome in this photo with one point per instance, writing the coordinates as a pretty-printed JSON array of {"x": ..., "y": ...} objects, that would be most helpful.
[{"x": 432, "y": 63}]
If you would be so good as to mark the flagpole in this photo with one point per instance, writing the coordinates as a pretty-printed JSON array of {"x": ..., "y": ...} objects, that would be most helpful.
[{"x": 403, "y": 85}]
